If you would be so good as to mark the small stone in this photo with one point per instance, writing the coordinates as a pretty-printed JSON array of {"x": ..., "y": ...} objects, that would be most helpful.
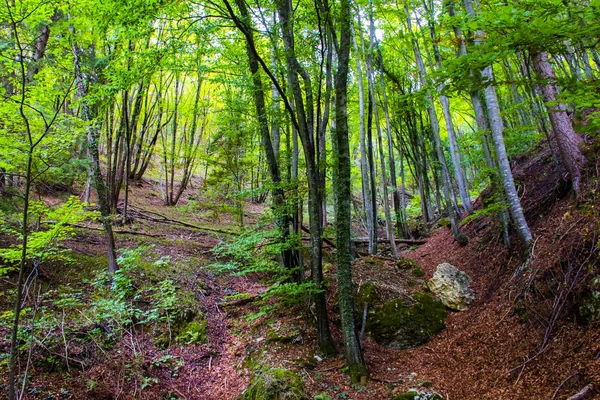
[{"x": 451, "y": 285}]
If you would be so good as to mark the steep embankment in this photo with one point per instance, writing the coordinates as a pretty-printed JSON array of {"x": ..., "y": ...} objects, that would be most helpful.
[{"x": 521, "y": 339}]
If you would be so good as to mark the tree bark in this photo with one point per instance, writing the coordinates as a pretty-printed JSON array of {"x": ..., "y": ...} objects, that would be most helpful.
[
  {"x": 567, "y": 139},
  {"x": 353, "y": 350},
  {"x": 87, "y": 114},
  {"x": 364, "y": 167}
]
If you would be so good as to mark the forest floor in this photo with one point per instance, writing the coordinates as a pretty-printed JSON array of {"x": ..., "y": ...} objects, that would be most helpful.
[{"x": 519, "y": 340}]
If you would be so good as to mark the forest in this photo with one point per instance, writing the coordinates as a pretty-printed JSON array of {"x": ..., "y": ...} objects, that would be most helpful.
[{"x": 327, "y": 199}]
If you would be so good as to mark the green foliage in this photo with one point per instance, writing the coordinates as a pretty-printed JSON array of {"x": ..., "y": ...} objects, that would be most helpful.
[
  {"x": 256, "y": 250},
  {"x": 54, "y": 226}
]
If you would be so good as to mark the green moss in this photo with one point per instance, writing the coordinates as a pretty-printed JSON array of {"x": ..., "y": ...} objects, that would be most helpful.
[
  {"x": 275, "y": 384},
  {"x": 85, "y": 266},
  {"x": 444, "y": 223},
  {"x": 402, "y": 325},
  {"x": 375, "y": 261},
  {"x": 521, "y": 312},
  {"x": 406, "y": 264},
  {"x": 367, "y": 294},
  {"x": 418, "y": 272},
  {"x": 284, "y": 335}
]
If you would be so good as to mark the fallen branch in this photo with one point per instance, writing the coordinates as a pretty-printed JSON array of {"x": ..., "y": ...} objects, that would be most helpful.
[
  {"x": 403, "y": 241},
  {"x": 163, "y": 219},
  {"x": 329, "y": 242},
  {"x": 239, "y": 302},
  {"x": 125, "y": 232},
  {"x": 585, "y": 392},
  {"x": 562, "y": 384}
]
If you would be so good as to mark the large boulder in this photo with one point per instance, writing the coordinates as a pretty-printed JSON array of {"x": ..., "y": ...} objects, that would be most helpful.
[
  {"x": 406, "y": 323},
  {"x": 451, "y": 285}
]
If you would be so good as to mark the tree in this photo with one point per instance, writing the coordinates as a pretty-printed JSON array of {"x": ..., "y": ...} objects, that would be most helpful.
[{"x": 343, "y": 221}]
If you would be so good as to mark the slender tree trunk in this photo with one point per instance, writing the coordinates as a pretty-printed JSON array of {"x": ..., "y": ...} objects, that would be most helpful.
[
  {"x": 364, "y": 167},
  {"x": 384, "y": 179},
  {"x": 353, "y": 351},
  {"x": 454, "y": 149},
  {"x": 87, "y": 114},
  {"x": 497, "y": 128},
  {"x": 435, "y": 128},
  {"x": 567, "y": 139},
  {"x": 305, "y": 123},
  {"x": 483, "y": 127}
]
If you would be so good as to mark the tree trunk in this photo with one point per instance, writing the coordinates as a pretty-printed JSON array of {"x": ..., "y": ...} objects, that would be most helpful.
[
  {"x": 353, "y": 351},
  {"x": 435, "y": 128},
  {"x": 364, "y": 167},
  {"x": 567, "y": 139},
  {"x": 87, "y": 114},
  {"x": 497, "y": 128}
]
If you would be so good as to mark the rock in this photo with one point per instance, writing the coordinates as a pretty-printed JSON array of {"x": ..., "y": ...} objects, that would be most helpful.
[
  {"x": 275, "y": 384},
  {"x": 405, "y": 324},
  {"x": 414, "y": 394},
  {"x": 451, "y": 285}
]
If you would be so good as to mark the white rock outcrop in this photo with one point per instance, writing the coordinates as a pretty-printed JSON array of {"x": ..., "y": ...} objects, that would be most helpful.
[{"x": 451, "y": 285}]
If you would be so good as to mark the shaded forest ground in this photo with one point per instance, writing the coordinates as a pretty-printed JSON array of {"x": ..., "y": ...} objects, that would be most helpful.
[{"x": 487, "y": 352}]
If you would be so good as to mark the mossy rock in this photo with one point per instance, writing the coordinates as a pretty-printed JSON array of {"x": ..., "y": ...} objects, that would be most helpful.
[
  {"x": 367, "y": 293},
  {"x": 406, "y": 264},
  {"x": 402, "y": 325},
  {"x": 414, "y": 394},
  {"x": 284, "y": 335},
  {"x": 275, "y": 384}
]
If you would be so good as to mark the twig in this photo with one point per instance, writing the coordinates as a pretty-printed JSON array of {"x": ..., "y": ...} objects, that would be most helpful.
[
  {"x": 163, "y": 219},
  {"x": 562, "y": 384},
  {"x": 125, "y": 232}
]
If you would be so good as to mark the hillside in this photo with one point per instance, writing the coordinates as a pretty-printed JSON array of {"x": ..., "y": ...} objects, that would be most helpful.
[{"x": 493, "y": 350}]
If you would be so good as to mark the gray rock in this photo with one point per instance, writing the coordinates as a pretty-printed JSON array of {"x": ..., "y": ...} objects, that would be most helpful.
[{"x": 451, "y": 285}]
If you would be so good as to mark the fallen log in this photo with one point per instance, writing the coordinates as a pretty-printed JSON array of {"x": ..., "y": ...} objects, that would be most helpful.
[
  {"x": 329, "y": 242},
  {"x": 403, "y": 241},
  {"x": 120, "y": 231},
  {"x": 136, "y": 213}
]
